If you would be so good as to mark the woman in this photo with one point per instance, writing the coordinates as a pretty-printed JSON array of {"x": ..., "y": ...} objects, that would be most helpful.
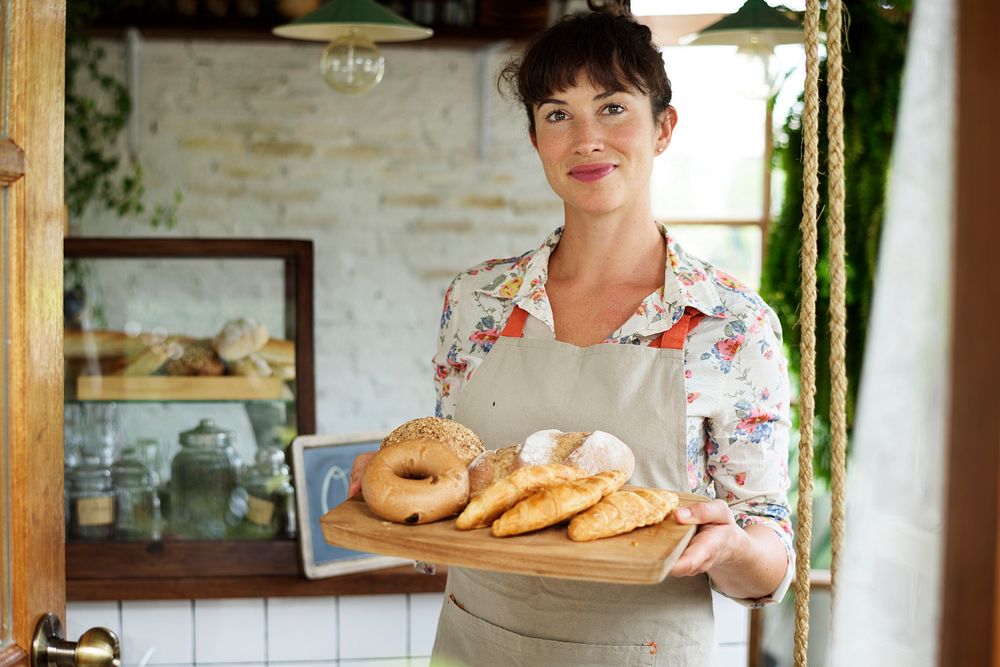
[{"x": 611, "y": 326}]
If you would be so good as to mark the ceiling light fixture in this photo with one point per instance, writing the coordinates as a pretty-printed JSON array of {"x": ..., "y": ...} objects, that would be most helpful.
[{"x": 351, "y": 63}]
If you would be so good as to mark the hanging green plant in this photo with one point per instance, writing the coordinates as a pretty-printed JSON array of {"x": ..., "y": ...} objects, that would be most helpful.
[
  {"x": 873, "y": 62},
  {"x": 96, "y": 115}
]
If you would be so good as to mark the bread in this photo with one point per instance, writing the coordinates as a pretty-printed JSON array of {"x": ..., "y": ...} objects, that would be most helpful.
[
  {"x": 147, "y": 362},
  {"x": 250, "y": 366},
  {"x": 621, "y": 512},
  {"x": 490, "y": 466},
  {"x": 557, "y": 503},
  {"x": 462, "y": 441},
  {"x": 505, "y": 492},
  {"x": 277, "y": 351},
  {"x": 194, "y": 358},
  {"x": 595, "y": 451},
  {"x": 101, "y": 344},
  {"x": 239, "y": 338}
]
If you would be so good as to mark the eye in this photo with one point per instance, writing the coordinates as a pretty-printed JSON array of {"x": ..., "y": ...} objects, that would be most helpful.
[
  {"x": 614, "y": 109},
  {"x": 556, "y": 116}
]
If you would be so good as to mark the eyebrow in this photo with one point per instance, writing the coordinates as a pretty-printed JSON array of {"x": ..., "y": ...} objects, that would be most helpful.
[{"x": 599, "y": 96}]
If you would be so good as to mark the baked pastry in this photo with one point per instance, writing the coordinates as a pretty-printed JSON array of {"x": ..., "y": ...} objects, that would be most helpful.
[
  {"x": 147, "y": 362},
  {"x": 490, "y": 466},
  {"x": 621, "y": 512},
  {"x": 595, "y": 451},
  {"x": 504, "y": 493},
  {"x": 251, "y": 365},
  {"x": 239, "y": 338},
  {"x": 462, "y": 441},
  {"x": 277, "y": 351},
  {"x": 557, "y": 503},
  {"x": 417, "y": 481},
  {"x": 196, "y": 357}
]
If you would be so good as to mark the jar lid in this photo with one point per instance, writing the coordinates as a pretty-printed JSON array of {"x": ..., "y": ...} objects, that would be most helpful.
[{"x": 207, "y": 434}]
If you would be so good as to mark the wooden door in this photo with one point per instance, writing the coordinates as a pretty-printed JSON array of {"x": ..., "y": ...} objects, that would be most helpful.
[{"x": 32, "y": 578}]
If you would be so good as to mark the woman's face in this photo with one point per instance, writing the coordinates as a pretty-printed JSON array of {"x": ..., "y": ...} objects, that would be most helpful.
[{"x": 597, "y": 146}]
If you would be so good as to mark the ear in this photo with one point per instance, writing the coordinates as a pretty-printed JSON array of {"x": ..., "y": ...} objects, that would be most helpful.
[
  {"x": 534, "y": 139},
  {"x": 665, "y": 128}
]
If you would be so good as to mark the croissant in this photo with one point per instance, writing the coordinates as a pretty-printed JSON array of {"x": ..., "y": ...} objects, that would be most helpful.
[
  {"x": 557, "y": 503},
  {"x": 621, "y": 512},
  {"x": 500, "y": 496}
]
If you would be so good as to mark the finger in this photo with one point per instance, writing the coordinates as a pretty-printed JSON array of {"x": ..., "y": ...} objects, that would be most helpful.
[
  {"x": 698, "y": 557},
  {"x": 714, "y": 511}
]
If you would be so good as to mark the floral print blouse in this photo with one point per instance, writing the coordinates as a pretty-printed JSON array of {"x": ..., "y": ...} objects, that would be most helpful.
[{"x": 736, "y": 376}]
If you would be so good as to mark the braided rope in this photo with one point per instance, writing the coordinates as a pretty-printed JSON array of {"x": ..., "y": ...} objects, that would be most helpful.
[
  {"x": 807, "y": 328},
  {"x": 838, "y": 279}
]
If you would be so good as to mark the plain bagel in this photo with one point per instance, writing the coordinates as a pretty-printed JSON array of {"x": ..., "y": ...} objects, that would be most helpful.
[{"x": 415, "y": 481}]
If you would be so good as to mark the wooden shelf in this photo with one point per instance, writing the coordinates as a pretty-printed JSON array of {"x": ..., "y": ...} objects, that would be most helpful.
[
  {"x": 178, "y": 388},
  {"x": 222, "y": 569}
]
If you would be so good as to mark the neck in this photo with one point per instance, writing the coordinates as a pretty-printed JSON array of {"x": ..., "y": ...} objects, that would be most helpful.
[{"x": 604, "y": 249}]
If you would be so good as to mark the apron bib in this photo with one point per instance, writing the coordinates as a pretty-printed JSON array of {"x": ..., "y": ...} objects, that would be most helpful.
[{"x": 637, "y": 393}]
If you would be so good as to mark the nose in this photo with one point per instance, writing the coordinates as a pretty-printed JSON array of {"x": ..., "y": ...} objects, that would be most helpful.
[{"x": 587, "y": 137}]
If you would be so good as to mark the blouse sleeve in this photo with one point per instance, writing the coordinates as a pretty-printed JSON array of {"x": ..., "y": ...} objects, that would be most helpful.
[
  {"x": 747, "y": 434},
  {"x": 450, "y": 362}
]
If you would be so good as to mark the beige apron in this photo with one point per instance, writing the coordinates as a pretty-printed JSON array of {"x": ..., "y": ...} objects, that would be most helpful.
[{"x": 637, "y": 393}]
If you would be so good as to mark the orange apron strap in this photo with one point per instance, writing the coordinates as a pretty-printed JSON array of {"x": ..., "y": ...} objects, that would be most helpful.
[
  {"x": 674, "y": 337},
  {"x": 515, "y": 323}
]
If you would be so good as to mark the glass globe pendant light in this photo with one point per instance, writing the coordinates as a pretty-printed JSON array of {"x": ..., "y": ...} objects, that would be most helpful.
[{"x": 351, "y": 63}]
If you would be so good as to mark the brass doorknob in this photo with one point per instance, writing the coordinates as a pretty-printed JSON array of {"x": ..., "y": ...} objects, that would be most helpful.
[{"x": 98, "y": 647}]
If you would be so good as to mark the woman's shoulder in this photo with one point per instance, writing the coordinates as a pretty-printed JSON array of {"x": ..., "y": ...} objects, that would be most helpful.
[{"x": 491, "y": 277}]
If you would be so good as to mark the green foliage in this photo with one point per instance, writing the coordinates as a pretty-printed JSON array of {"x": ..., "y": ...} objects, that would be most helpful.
[
  {"x": 94, "y": 170},
  {"x": 873, "y": 63}
]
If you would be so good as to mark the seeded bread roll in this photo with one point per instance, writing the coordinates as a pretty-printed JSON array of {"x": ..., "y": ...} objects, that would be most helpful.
[
  {"x": 240, "y": 338},
  {"x": 462, "y": 441}
]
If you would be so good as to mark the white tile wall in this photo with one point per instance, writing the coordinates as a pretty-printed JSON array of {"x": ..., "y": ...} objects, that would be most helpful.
[
  {"x": 162, "y": 629},
  {"x": 301, "y": 629},
  {"x": 351, "y": 631},
  {"x": 229, "y": 631}
]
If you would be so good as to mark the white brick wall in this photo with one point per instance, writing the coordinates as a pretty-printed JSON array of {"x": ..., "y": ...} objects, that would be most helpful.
[{"x": 390, "y": 187}]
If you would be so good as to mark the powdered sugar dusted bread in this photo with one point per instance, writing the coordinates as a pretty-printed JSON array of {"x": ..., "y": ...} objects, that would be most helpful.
[
  {"x": 490, "y": 466},
  {"x": 594, "y": 452}
]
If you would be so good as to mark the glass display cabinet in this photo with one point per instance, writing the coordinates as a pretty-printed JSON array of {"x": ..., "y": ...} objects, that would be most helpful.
[{"x": 188, "y": 372}]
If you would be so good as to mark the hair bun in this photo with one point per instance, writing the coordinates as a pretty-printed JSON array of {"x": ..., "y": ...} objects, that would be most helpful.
[{"x": 612, "y": 7}]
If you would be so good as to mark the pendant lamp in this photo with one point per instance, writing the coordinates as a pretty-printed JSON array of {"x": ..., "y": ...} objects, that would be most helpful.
[
  {"x": 351, "y": 63},
  {"x": 755, "y": 30}
]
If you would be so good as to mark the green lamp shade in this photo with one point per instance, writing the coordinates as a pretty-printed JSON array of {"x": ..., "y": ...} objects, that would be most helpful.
[
  {"x": 767, "y": 25},
  {"x": 342, "y": 17}
]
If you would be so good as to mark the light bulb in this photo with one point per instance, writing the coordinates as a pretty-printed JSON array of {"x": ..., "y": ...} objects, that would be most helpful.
[
  {"x": 351, "y": 64},
  {"x": 755, "y": 70}
]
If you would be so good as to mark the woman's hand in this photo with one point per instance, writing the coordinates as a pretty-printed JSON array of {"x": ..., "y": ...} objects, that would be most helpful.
[
  {"x": 357, "y": 472},
  {"x": 743, "y": 563},
  {"x": 717, "y": 539}
]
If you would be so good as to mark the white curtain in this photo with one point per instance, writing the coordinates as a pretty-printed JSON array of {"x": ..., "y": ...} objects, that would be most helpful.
[{"x": 888, "y": 596}]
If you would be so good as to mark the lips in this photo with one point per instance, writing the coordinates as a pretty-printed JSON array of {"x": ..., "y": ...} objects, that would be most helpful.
[{"x": 592, "y": 172}]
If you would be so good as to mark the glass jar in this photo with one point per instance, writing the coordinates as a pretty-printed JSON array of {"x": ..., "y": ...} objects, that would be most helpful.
[
  {"x": 91, "y": 502},
  {"x": 270, "y": 496},
  {"x": 137, "y": 503},
  {"x": 204, "y": 476}
]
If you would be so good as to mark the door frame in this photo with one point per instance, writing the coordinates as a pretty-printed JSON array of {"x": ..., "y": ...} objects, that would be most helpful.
[{"x": 34, "y": 316}]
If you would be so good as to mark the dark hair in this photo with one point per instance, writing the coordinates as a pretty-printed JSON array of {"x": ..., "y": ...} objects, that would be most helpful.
[{"x": 606, "y": 44}]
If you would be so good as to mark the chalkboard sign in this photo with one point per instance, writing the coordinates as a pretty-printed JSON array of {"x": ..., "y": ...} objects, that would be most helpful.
[{"x": 322, "y": 466}]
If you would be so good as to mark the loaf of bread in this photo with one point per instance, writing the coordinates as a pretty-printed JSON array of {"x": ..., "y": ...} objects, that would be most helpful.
[
  {"x": 595, "y": 451},
  {"x": 251, "y": 365},
  {"x": 505, "y": 492},
  {"x": 239, "y": 338},
  {"x": 196, "y": 357},
  {"x": 456, "y": 437},
  {"x": 621, "y": 512},
  {"x": 278, "y": 352},
  {"x": 490, "y": 466},
  {"x": 557, "y": 503}
]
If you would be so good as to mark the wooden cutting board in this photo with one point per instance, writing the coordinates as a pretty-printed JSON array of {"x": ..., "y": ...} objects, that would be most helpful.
[{"x": 643, "y": 556}]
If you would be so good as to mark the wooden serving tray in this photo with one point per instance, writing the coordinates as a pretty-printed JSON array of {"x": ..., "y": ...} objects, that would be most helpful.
[{"x": 643, "y": 556}]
